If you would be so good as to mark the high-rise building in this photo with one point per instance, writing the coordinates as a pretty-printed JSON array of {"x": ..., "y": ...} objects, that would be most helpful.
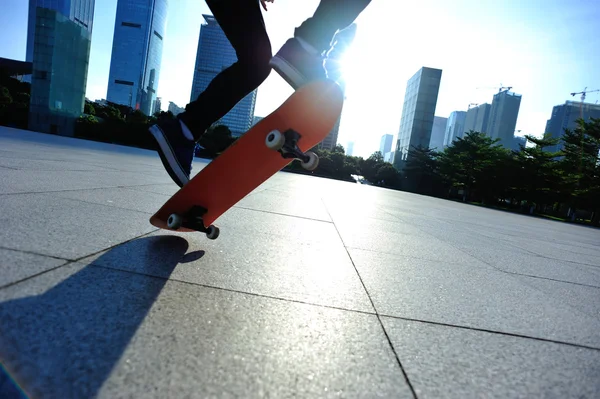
[
  {"x": 79, "y": 11},
  {"x": 503, "y": 117},
  {"x": 140, "y": 27},
  {"x": 340, "y": 43},
  {"x": 58, "y": 45},
  {"x": 350, "y": 148},
  {"x": 385, "y": 144},
  {"x": 157, "y": 105},
  {"x": 455, "y": 127},
  {"x": 565, "y": 116},
  {"x": 518, "y": 142},
  {"x": 215, "y": 53},
  {"x": 420, "y": 100},
  {"x": 437, "y": 133},
  {"x": 175, "y": 109},
  {"x": 477, "y": 118}
]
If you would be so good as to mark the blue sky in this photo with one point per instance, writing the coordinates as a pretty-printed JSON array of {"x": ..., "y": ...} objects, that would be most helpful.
[{"x": 544, "y": 49}]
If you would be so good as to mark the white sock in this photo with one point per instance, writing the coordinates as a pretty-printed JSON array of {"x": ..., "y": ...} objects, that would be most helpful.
[
  {"x": 186, "y": 131},
  {"x": 307, "y": 46}
]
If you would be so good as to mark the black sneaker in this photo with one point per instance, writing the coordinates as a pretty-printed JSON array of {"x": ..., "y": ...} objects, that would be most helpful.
[
  {"x": 175, "y": 150},
  {"x": 296, "y": 65}
]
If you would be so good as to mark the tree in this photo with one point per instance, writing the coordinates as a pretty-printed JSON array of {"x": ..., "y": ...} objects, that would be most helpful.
[
  {"x": 421, "y": 170},
  {"x": 370, "y": 166},
  {"x": 467, "y": 163},
  {"x": 538, "y": 173},
  {"x": 580, "y": 166}
]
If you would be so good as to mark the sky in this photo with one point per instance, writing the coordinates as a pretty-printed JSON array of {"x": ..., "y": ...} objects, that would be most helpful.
[{"x": 544, "y": 49}]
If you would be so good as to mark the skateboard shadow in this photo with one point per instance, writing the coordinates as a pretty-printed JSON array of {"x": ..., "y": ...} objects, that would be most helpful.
[{"x": 64, "y": 341}]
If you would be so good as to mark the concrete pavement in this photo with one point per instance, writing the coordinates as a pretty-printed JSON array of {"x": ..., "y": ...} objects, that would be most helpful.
[{"x": 315, "y": 288}]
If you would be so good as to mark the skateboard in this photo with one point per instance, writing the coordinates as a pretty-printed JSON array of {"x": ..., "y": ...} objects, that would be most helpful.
[{"x": 285, "y": 135}]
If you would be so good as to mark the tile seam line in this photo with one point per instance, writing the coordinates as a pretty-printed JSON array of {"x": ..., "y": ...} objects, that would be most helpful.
[
  {"x": 504, "y": 271},
  {"x": 464, "y": 264},
  {"x": 385, "y": 333},
  {"x": 82, "y": 189},
  {"x": 230, "y": 290},
  {"x": 504, "y": 333},
  {"x": 68, "y": 261}
]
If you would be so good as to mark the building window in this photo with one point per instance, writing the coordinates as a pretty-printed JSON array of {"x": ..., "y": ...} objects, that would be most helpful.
[
  {"x": 123, "y": 82},
  {"x": 131, "y": 24}
]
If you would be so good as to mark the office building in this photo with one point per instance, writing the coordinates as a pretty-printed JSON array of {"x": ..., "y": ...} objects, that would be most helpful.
[
  {"x": 455, "y": 127},
  {"x": 214, "y": 54},
  {"x": 350, "y": 148},
  {"x": 340, "y": 43},
  {"x": 438, "y": 132},
  {"x": 418, "y": 111},
  {"x": 175, "y": 109},
  {"x": 503, "y": 117},
  {"x": 565, "y": 116},
  {"x": 58, "y": 45},
  {"x": 518, "y": 142},
  {"x": 477, "y": 118},
  {"x": 78, "y": 11},
  {"x": 137, "y": 48},
  {"x": 385, "y": 144},
  {"x": 157, "y": 105}
]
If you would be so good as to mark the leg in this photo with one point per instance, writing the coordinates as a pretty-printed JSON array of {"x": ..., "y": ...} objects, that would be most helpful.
[
  {"x": 243, "y": 24},
  {"x": 330, "y": 16},
  {"x": 300, "y": 60}
]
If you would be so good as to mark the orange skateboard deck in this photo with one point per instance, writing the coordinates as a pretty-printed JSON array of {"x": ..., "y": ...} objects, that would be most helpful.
[{"x": 300, "y": 123}]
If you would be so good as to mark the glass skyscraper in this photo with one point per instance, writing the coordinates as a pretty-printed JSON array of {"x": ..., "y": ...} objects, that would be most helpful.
[
  {"x": 79, "y": 11},
  {"x": 420, "y": 100},
  {"x": 140, "y": 27},
  {"x": 215, "y": 53},
  {"x": 58, "y": 45}
]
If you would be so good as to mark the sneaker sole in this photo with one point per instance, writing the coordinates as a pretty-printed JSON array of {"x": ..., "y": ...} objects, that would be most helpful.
[
  {"x": 167, "y": 156},
  {"x": 288, "y": 72}
]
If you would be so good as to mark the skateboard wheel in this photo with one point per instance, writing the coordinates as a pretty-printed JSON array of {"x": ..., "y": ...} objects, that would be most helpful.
[
  {"x": 275, "y": 140},
  {"x": 312, "y": 163},
  {"x": 174, "y": 222},
  {"x": 212, "y": 232}
]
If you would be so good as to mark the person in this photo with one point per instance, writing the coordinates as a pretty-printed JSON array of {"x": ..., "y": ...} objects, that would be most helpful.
[{"x": 299, "y": 61}]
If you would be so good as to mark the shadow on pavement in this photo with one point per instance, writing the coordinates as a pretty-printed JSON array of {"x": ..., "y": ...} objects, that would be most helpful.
[{"x": 64, "y": 342}]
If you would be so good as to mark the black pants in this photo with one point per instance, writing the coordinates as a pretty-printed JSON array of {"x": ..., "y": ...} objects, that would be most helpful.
[{"x": 243, "y": 24}]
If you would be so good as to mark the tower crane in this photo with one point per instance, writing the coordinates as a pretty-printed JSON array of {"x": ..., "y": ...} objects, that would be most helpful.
[
  {"x": 583, "y": 93},
  {"x": 472, "y": 104},
  {"x": 500, "y": 88}
]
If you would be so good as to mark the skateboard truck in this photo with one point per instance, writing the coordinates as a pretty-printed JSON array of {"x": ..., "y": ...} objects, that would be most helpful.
[
  {"x": 286, "y": 144},
  {"x": 192, "y": 219}
]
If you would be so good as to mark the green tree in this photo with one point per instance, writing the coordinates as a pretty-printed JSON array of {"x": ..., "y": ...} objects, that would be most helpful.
[
  {"x": 580, "y": 167},
  {"x": 467, "y": 163},
  {"x": 538, "y": 173},
  {"x": 421, "y": 171},
  {"x": 89, "y": 108},
  {"x": 370, "y": 166},
  {"x": 5, "y": 97}
]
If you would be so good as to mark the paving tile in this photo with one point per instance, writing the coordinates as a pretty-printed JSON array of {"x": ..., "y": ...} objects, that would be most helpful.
[
  {"x": 445, "y": 362},
  {"x": 300, "y": 204},
  {"x": 125, "y": 198},
  {"x": 28, "y": 181},
  {"x": 16, "y": 266},
  {"x": 301, "y": 269},
  {"x": 128, "y": 334},
  {"x": 470, "y": 295},
  {"x": 65, "y": 228}
]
